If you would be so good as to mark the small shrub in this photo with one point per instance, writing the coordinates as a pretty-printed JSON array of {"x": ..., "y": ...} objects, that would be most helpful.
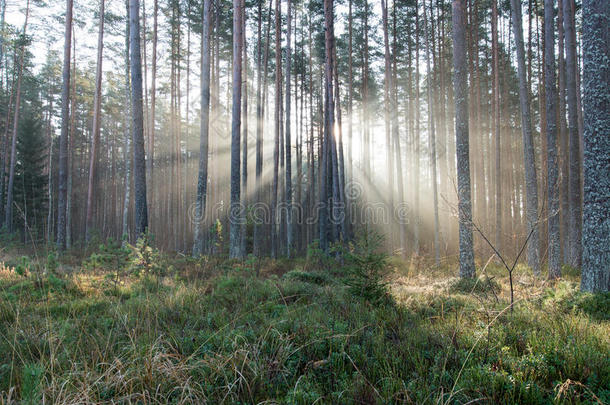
[
  {"x": 367, "y": 268},
  {"x": 145, "y": 259},
  {"x": 482, "y": 285},
  {"x": 318, "y": 278}
]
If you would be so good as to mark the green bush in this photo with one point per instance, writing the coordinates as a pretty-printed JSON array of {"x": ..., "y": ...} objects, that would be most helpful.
[{"x": 367, "y": 268}]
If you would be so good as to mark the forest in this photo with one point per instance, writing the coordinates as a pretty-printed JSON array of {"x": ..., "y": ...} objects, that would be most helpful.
[{"x": 304, "y": 201}]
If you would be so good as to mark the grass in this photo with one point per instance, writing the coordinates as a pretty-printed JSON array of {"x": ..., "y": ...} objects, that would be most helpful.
[{"x": 215, "y": 331}]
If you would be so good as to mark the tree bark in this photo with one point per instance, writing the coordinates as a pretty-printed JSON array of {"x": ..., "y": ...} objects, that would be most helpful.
[
  {"x": 202, "y": 179},
  {"x": 137, "y": 130},
  {"x": 236, "y": 214},
  {"x": 550, "y": 91},
  {"x": 531, "y": 183},
  {"x": 467, "y": 269},
  {"x": 289, "y": 224},
  {"x": 97, "y": 101},
  {"x": 596, "y": 81},
  {"x": 575, "y": 192},
  {"x": 63, "y": 138}
]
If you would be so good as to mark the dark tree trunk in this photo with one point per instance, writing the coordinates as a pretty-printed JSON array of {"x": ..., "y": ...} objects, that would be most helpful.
[
  {"x": 63, "y": 139},
  {"x": 202, "y": 179},
  {"x": 289, "y": 225},
  {"x": 137, "y": 130}
]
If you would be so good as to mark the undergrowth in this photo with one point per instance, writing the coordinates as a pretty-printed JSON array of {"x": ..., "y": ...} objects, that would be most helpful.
[{"x": 205, "y": 331}]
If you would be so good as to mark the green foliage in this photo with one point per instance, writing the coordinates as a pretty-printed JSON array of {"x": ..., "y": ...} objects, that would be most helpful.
[
  {"x": 296, "y": 339},
  {"x": 481, "y": 285},
  {"x": 145, "y": 259},
  {"x": 31, "y": 386},
  {"x": 367, "y": 268},
  {"x": 317, "y": 257},
  {"x": 567, "y": 297},
  {"x": 30, "y": 193},
  {"x": 312, "y": 277}
]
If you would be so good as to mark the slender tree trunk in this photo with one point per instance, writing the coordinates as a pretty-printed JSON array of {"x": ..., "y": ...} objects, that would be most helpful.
[
  {"x": 496, "y": 120},
  {"x": 564, "y": 153},
  {"x": 596, "y": 81},
  {"x": 386, "y": 113},
  {"x": 531, "y": 183},
  {"x": 276, "y": 148},
  {"x": 551, "y": 135},
  {"x": 63, "y": 139},
  {"x": 71, "y": 148},
  {"x": 416, "y": 140},
  {"x": 467, "y": 269},
  {"x": 8, "y": 211},
  {"x": 244, "y": 163},
  {"x": 202, "y": 180},
  {"x": 97, "y": 101},
  {"x": 329, "y": 39},
  {"x": 236, "y": 214},
  {"x": 289, "y": 224},
  {"x": 137, "y": 130},
  {"x": 575, "y": 192},
  {"x": 151, "y": 126},
  {"x": 127, "y": 155}
]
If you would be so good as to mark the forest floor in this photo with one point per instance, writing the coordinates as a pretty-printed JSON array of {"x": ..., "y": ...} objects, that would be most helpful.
[{"x": 291, "y": 332}]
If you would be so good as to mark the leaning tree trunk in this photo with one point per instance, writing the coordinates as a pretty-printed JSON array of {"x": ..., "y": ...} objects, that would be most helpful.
[
  {"x": 596, "y": 81},
  {"x": 550, "y": 91},
  {"x": 97, "y": 104},
  {"x": 531, "y": 184},
  {"x": 63, "y": 138},
  {"x": 202, "y": 181},
  {"x": 235, "y": 213},
  {"x": 137, "y": 130},
  {"x": 460, "y": 85}
]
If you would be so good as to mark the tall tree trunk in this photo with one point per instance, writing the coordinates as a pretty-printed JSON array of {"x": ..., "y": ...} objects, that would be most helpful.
[
  {"x": 467, "y": 269},
  {"x": 575, "y": 200},
  {"x": 550, "y": 91},
  {"x": 127, "y": 155},
  {"x": 137, "y": 130},
  {"x": 151, "y": 126},
  {"x": 202, "y": 180},
  {"x": 244, "y": 163},
  {"x": 496, "y": 120},
  {"x": 416, "y": 140},
  {"x": 277, "y": 118},
  {"x": 289, "y": 213},
  {"x": 8, "y": 211},
  {"x": 71, "y": 148},
  {"x": 97, "y": 106},
  {"x": 564, "y": 153},
  {"x": 236, "y": 214},
  {"x": 531, "y": 183},
  {"x": 386, "y": 113},
  {"x": 329, "y": 39},
  {"x": 63, "y": 138},
  {"x": 596, "y": 81}
]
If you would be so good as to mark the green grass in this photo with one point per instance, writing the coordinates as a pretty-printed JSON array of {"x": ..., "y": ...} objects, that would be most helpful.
[{"x": 216, "y": 332}]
